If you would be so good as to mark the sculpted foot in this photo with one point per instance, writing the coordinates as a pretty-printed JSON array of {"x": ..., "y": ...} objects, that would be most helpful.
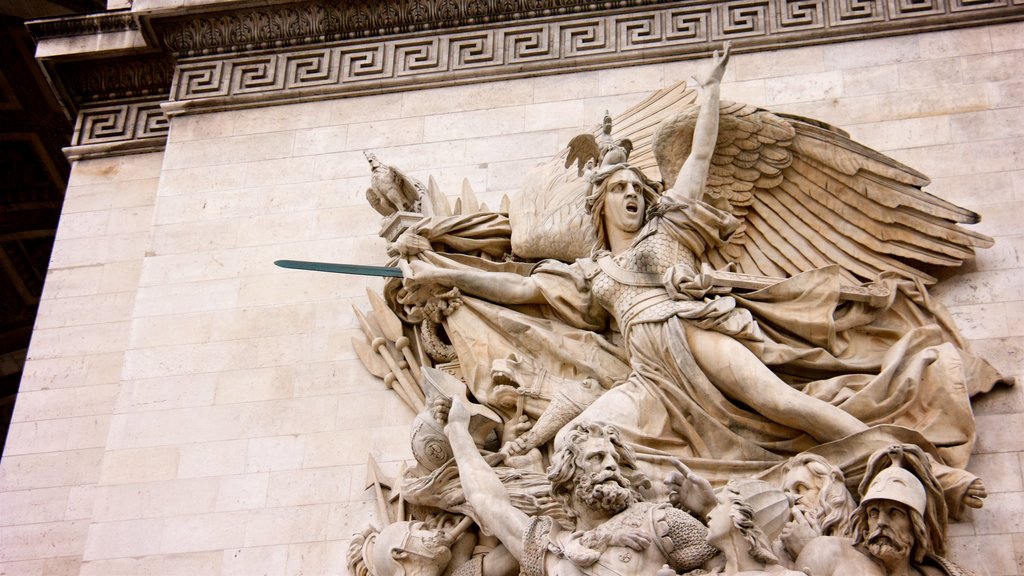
[{"x": 976, "y": 494}]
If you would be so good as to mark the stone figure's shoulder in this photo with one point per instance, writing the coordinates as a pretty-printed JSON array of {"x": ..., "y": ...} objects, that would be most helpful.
[
  {"x": 588, "y": 267},
  {"x": 836, "y": 556}
]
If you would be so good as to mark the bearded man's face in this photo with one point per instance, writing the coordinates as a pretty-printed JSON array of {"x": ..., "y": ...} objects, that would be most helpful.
[
  {"x": 599, "y": 485},
  {"x": 890, "y": 535}
]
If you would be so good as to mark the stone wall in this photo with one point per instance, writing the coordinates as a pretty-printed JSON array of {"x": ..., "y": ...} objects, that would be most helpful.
[
  {"x": 190, "y": 408},
  {"x": 55, "y": 454}
]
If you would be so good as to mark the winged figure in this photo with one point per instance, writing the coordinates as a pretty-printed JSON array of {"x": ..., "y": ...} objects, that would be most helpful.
[
  {"x": 728, "y": 286},
  {"x": 639, "y": 249}
]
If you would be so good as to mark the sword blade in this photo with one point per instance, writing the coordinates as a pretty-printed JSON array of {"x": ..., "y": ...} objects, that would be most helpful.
[{"x": 354, "y": 269}]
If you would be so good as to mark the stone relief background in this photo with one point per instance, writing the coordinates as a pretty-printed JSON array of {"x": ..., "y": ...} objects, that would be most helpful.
[{"x": 187, "y": 407}]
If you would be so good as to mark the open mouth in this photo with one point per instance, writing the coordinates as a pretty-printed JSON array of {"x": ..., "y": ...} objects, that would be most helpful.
[{"x": 632, "y": 207}]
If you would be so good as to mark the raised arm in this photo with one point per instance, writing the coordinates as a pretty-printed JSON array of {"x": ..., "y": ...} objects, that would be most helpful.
[
  {"x": 499, "y": 287},
  {"x": 484, "y": 491},
  {"x": 689, "y": 183}
]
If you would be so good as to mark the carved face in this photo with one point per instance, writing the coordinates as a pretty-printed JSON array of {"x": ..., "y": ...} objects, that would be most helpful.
[
  {"x": 801, "y": 482},
  {"x": 890, "y": 534},
  {"x": 597, "y": 455},
  {"x": 406, "y": 549},
  {"x": 624, "y": 204},
  {"x": 599, "y": 485},
  {"x": 720, "y": 522}
]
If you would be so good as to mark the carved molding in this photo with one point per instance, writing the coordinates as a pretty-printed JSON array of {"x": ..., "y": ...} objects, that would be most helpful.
[
  {"x": 117, "y": 79},
  {"x": 310, "y": 22},
  {"x": 684, "y": 30},
  {"x": 318, "y": 22},
  {"x": 322, "y": 49},
  {"x": 83, "y": 25},
  {"x": 120, "y": 123}
]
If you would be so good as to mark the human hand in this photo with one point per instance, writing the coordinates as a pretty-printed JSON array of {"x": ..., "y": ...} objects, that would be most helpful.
[
  {"x": 714, "y": 73},
  {"x": 440, "y": 408},
  {"x": 635, "y": 539},
  {"x": 459, "y": 414},
  {"x": 690, "y": 491},
  {"x": 514, "y": 444},
  {"x": 418, "y": 274},
  {"x": 798, "y": 532},
  {"x": 410, "y": 244}
]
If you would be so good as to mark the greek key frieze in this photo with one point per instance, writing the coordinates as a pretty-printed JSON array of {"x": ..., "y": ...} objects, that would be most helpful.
[
  {"x": 493, "y": 51},
  {"x": 915, "y": 8},
  {"x": 119, "y": 123},
  {"x": 855, "y": 11}
]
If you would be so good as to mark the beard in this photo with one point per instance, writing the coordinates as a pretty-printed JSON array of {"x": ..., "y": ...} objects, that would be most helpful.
[
  {"x": 887, "y": 545},
  {"x": 608, "y": 492}
]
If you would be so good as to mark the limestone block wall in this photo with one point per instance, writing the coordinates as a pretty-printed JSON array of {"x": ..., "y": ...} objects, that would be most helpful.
[
  {"x": 55, "y": 456},
  {"x": 205, "y": 410}
]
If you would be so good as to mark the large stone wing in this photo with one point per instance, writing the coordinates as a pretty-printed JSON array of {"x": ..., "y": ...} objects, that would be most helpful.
[
  {"x": 809, "y": 196},
  {"x": 548, "y": 217}
]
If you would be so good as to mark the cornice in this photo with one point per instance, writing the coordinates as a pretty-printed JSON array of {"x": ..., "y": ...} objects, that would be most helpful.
[
  {"x": 82, "y": 25},
  {"x": 315, "y": 22},
  {"x": 534, "y": 46},
  {"x": 127, "y": 77},
  {"x": 285, "y": 52}
]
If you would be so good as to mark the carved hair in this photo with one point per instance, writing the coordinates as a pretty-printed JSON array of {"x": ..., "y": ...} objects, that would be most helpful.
[
  {"x": 359, "y": 549},
  {"x": 565, "y": 462},
  {"x": 596, "y": 194},
  {"x": 742, "y": 515},
  {"x": 835, "y": 503},
  {"x": 922, "y": 543}
]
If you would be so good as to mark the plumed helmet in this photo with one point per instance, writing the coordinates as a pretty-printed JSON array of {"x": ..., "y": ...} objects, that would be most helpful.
[{"x": 900, "y": 485}]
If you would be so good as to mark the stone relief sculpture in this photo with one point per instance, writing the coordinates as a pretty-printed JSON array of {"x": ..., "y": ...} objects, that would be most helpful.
[
  {"x": 899, "y": 527},
  {"x": 699, "y": 293},
  {"x": 734, "y": 527},
  {"x": 823, "y": 506},
  {"x": 593, "y": 475}
]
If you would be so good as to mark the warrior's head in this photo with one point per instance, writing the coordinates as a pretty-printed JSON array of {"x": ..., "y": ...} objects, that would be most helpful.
[
  {"x": 586, "y": 471},
  {"x": 400, "y": 549},
  {"x": 889, "y": 523}
]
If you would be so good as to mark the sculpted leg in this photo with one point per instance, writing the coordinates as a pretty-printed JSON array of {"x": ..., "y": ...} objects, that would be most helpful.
[{"x": 741, "y": 376}]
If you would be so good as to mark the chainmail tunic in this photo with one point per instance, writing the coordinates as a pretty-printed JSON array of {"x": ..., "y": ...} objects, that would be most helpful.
[
  {"x": 677, "y": 539},
  {"x": 658, "y": 251}
]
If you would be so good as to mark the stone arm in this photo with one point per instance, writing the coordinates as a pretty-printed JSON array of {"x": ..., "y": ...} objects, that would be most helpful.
[
  {"x": 484, "y": 491},
  {"x": 689, "y": 184},
  {"x": 498, "y": 287}
]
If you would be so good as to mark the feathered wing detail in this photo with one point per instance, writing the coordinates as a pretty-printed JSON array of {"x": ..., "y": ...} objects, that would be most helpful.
[
  {"x": 548, "y": 217},
  {"x": 809, "y": 196},
  {"x": 582, "y": 150}
]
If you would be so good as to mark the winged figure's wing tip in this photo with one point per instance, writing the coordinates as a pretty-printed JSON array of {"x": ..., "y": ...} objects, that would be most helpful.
[{"x": 814, "y": 122}]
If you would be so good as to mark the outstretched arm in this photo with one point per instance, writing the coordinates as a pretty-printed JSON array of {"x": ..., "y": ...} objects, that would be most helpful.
[
  {"x": 499, "y": 287},
  {"x": 483, "y": 490},
  {"x": 689, "y": 183}
]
